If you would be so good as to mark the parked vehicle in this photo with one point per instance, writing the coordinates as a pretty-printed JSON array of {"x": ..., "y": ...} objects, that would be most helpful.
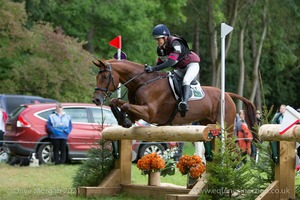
[
  {"x": 9, "y": 102},
  {"x": 26, "y": 131}
]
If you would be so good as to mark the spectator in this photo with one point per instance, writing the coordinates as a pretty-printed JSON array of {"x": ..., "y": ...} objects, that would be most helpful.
[
  {"x": 59, "y": 125},
  {"x": 199, "y": 147},
  {"x": 277, "y": 119},
  {"x": 258, "y": 117},
  {"x": 3, "y": 118},
  {"x": 244, "y": 135}
]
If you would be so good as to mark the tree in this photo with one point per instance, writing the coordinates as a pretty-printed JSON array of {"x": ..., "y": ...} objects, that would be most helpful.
[
  {"x": 42, "y": 62},
  {"x": 100, "y": 21}
]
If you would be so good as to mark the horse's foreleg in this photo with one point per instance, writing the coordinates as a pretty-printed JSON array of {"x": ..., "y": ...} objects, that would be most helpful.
[
  {"x": 119, "y": 115},
  {"x": 139, "y": 112}
]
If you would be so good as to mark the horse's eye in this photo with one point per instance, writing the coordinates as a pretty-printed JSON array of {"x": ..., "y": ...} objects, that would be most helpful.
[{"x": 104, "y": 76}]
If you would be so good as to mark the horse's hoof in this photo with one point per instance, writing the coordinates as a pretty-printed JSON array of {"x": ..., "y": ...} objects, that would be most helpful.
[{"x": 127, "y": 123}]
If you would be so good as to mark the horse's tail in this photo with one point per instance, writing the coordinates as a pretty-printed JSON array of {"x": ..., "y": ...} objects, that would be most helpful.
[{"x": 249, "y": 108}]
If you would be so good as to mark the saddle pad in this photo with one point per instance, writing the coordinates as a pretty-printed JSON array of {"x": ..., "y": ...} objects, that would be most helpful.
[{"x": 196, "y": 90}]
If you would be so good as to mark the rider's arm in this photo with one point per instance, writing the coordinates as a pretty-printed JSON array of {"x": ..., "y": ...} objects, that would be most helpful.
[
  {"x": 168, "y": 63},
  {"x": 172, "y": 57}
]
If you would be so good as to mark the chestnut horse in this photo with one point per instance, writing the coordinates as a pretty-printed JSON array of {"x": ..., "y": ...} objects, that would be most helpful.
[{"x": 151, "y": 98}]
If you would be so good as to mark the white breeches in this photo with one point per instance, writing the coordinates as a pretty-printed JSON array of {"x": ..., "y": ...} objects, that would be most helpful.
[{"x": 189, "y": 73}]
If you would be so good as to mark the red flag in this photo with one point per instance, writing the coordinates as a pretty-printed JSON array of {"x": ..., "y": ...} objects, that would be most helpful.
[{"x": 116, "y": 42}]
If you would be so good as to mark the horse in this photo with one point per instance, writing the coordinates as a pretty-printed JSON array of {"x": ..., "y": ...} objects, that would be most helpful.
[{"x": 151, "y": 98}]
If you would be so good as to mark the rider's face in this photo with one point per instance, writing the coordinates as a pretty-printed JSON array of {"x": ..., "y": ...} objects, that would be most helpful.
[{"x": 160, "y": 41}]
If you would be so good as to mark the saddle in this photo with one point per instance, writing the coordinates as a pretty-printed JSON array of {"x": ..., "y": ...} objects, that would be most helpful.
[{"x": 175, "y": 82}]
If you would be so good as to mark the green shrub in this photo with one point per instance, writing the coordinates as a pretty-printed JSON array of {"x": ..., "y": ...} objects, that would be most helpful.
[{"x": 99, "y": 163}]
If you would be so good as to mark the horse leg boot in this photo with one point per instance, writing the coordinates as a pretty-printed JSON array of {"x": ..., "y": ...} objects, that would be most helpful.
[{"x": 183, "y": 105}]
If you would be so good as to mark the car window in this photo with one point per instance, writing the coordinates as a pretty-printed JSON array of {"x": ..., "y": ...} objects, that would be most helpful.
[
  {"x": 77, "y": 114},
  {"x": 46, "y": 114},
  {"x": 103, "y": 116},
  {"x": 16, "y": 112}
]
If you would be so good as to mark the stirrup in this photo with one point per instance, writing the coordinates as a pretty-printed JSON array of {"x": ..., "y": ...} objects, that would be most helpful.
[{"x": 183, "y": 106}]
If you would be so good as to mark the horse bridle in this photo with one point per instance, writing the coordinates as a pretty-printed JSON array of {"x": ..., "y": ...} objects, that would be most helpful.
[{"x": 111, "y": 78}]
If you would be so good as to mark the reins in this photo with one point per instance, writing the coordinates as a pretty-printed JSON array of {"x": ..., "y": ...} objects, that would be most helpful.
[{"x": 143, "y": 84}]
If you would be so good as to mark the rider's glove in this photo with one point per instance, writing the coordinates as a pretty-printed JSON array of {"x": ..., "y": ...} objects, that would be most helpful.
[{"x": 149, "y": 69}]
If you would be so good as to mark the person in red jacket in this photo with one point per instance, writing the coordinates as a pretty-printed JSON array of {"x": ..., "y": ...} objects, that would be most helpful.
[{"x": 244, "y": 135}]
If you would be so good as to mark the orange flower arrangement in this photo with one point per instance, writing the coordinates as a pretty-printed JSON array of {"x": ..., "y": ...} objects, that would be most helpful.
[
  {"x": 151, "y": 163},
  {"x": 191, "y": 165}
]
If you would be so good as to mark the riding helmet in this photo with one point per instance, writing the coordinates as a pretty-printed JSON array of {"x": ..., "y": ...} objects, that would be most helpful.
[{"x": 160, "y": 31}]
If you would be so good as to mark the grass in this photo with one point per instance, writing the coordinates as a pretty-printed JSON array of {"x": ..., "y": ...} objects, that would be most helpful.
[{"x": 54, "y": 182}]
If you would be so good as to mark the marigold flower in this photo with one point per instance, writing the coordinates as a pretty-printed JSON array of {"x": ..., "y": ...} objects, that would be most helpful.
[
  {"x": 191, "y": 165},
  {"x": 151, "y": 162}
]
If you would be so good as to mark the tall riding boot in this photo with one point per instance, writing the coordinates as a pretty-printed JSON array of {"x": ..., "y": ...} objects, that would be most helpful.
[{"x": 183, "y": 105}]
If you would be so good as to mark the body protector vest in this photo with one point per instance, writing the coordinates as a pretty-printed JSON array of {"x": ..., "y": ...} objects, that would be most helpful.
[{"x": 186, "y": 56}]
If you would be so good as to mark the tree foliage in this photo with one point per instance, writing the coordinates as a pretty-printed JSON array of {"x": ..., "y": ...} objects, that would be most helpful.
[
  {"x": 263, "y": 44},
  {"x": 40, "y": 61}
]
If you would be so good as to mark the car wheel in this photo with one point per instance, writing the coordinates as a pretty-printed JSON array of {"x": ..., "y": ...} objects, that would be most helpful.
[
  {"x": 45, "y": 153},
  {"x": 151, "y": 148}
]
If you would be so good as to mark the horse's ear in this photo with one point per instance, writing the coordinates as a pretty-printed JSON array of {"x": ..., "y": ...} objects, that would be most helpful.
[{"x": 99, "y": 64}]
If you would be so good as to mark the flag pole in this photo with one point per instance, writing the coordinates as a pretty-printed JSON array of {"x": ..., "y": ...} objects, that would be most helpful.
[
  {"x": 117, "y": 43},
  {"x": 225, "y": 29}
]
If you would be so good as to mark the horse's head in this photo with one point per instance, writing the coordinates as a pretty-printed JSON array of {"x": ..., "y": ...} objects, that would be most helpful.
[{"x": 106, "y": 83}]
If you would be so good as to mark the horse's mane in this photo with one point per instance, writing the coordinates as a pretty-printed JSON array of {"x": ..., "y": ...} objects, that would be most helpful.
[{"x": 124, "y": 61}]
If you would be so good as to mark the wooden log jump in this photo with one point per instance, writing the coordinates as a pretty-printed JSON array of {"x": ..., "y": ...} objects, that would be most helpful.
[
  {"x": 270, "y": 132},
  {"x": 120, "y": 178},
  {"x": 283, "y": 186},
  {"x": 160, "y": 133}
]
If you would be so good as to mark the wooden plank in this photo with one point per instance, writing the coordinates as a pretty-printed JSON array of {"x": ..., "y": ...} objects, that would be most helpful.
[
  {"x": 153, "y": 192},
  {"x": 124, "y": 161},
  {"x": 181, "y": 197},
  {"x": 285, "y": 170},
  {"x": 98, "y": 191},
  {"x": 160, "y": 133},
  {"x": 112, "y": 179},
  {"x": 269, "y": 193},
  {"x": 200, "y": 185}
]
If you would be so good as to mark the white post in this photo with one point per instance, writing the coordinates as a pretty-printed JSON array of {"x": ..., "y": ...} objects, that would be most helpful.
[
  {"x": 119, "y": 86},
  {"x": 225, "y": 29}
]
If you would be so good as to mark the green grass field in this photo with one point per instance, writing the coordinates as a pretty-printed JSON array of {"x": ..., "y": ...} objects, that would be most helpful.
[{"x": 52, "y": 182}]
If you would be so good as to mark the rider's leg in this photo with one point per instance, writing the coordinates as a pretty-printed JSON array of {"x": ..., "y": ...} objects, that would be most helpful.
[
  {"x": 191, "y": 71},
  {"x": 183, "y": 106}
]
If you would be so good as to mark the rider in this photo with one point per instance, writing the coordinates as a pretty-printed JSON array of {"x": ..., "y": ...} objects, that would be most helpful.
[{"x": 173, "y": 51}]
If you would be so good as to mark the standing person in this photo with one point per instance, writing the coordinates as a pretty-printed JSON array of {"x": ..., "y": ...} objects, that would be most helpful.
[
  {"x": 173, "y": 51},
  {"x": 277, "y": 119},
  {"x": 59, "y": 125},
  {"x": 3, "y": 118},
  {"x": 258, "y": 118},
  {"x": 244, "y": 135}
]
